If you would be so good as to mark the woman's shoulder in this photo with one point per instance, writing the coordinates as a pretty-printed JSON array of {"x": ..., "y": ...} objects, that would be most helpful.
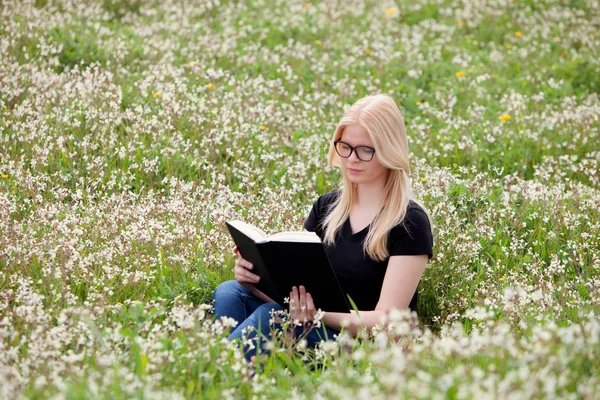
[
  {"x": 416, "y": 210},
  {"x": 319, "y": 209},
  {"x": 327, "y": 198},
  {"x": 416, "y": 219},
  {"x": 413, "y": 235}
]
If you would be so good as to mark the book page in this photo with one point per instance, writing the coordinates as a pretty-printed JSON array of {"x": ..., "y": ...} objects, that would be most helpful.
[
  {"x": 251, "y": 231},
  {"x": 309, "y": 237}
]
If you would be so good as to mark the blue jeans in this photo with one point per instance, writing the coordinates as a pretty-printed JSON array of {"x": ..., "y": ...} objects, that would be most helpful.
[{"x": 235, "y": 301}]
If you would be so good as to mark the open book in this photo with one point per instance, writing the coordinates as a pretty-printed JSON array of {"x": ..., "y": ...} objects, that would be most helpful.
[{"x": 289, "y": 259}]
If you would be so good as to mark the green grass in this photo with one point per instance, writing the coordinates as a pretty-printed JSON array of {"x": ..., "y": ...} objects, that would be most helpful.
[{"x": 131, "y": 130}]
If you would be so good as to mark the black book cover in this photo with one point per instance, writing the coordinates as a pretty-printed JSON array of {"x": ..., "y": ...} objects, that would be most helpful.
[{"x": 282, "y": 264}]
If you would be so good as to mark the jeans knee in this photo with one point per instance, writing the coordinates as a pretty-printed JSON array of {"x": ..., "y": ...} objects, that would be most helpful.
[
  {"x": 227, "y": 288},
  {"x": 265, "y": 312}
]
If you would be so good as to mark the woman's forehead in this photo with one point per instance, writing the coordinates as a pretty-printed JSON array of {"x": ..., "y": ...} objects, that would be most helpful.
[{"x": 356, "y": 135}]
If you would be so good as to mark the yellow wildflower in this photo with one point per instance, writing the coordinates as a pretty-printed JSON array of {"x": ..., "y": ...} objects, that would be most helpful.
[
  {"x": 518, "y": 33},
  {"x": 157, "y": 94},
  {"x": 307, "y": 5},
  {"x": 4, "y": 176},
  {"x": 461, "y": 23},
  {"x": 318, "y": 42},
  {"x": 418, "y": 103},
  {"x": 424, "y": 179},
  {"x": 460, "y": 74},
  {"x": 263, "y": 127},
  {"x": 212, "y": 86},
  {"x": 391, "y": 11},
  {"x": 367, "y": 51},
  {"x": 504, "y": 117},
  {"x": 502, "y": 279},
  {"x": 441, "y": 304}
]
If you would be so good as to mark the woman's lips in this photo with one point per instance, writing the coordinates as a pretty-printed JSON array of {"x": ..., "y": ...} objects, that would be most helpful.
[{"x": 354, "y": 171}]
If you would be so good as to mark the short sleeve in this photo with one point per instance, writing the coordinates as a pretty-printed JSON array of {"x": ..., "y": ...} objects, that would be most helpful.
[
  {"x": 319, "y": 210},
  {"x": 312, "y": 221},
  {"x": 414, "y": 237}
]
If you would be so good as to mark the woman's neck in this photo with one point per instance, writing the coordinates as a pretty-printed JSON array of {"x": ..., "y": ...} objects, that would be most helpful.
[{"x": 370, "y": 194}]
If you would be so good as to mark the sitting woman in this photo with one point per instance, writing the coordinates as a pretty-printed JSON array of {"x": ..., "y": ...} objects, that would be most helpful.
[{"x": 377, "y": 237}]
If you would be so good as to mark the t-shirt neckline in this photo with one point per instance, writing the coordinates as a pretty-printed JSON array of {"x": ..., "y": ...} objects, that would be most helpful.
[{"x": 349, "y": 229}]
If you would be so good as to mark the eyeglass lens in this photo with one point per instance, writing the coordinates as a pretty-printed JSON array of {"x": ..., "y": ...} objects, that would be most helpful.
[{"x": 364, "y": 153}]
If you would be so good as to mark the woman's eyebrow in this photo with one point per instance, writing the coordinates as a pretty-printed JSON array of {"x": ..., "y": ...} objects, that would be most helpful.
[
  {"x": 363, "y": 145},
  {"x": 357, "y": 145}
]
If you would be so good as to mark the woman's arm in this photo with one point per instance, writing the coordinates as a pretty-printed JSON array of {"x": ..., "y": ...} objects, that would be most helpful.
[
  {"x": 401, "y": 279},
  {"x": 260, "y": 294},
  {"x": 353, "y": 322}
]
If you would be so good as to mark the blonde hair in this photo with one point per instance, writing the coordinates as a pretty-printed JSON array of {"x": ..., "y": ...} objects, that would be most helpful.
[{"x": 384, "y": 123}]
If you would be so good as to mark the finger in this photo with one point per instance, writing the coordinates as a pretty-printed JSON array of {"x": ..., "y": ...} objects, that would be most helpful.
[
  {"x": 242, "y": 263},
  {"x": 292, "y": 307},
  {"x": 242, "y": 274},
  {"x": 310, "y": 305},
  {"x": 252, "y": 277},
  {"x": 294, "y": 296},
  {"x": 245, "y": 279},
  {"x": 239, "y": 264},
  {"x": 302, "y": 296},
  {"x": 295, "y": 312}
]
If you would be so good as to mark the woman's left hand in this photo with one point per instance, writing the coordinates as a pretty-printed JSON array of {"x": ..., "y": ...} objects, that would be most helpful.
[{"x": 302, "y": 308}]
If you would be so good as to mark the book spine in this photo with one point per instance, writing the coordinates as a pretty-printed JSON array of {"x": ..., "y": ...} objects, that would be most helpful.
[{"x": 249, "y": 250}]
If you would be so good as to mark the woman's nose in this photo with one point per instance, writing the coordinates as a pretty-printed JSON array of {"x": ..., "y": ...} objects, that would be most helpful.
[{"x": 353, "y": 157}]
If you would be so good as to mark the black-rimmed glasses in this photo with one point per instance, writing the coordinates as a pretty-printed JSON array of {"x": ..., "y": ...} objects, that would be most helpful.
[{"x": 364, "y": 153}]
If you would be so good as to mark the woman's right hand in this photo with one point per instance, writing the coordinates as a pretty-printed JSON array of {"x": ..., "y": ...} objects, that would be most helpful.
[{"x": 242, "y": 271}]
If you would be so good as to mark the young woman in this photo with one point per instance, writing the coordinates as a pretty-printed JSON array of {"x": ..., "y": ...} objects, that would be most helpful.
[{"x": 377, "y": 237}]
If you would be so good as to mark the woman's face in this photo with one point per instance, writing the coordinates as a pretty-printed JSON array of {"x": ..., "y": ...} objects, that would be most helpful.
[{"x": 361, "y": 171}]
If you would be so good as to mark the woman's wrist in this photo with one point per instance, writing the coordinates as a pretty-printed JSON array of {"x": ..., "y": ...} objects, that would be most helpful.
[
  {"x": 338, "y": 321},
  {"x": 261, "y": 295},
  {"x": 352, "y": 322}
]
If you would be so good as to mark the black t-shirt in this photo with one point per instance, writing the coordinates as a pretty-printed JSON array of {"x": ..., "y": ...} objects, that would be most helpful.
[{"x": 360, "y": 276}]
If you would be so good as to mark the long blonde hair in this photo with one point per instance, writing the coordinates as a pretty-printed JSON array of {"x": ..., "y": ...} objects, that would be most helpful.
[{"x": 384, "y": 123}]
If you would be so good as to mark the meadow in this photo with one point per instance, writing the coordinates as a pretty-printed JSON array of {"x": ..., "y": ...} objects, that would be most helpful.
[{"x": 130, "y": 131}]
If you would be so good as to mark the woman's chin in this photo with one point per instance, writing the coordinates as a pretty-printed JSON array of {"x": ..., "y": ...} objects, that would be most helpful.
[{"x": 355, "y": 179}]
